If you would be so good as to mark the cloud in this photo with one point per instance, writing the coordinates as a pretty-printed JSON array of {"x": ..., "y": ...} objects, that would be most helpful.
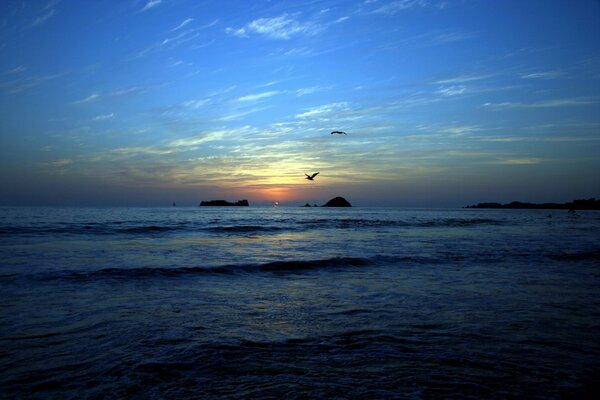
[
  {"x": 322, "y": 110},
  {"x": 127, "y": 91},
  {"x": 542, "y": 75},
  {"x": 179, "y": 36},
  {"x": 395, "y": 7},
  {"x": 92, "y": 97},
  {"x": 299, "y": 52},
  {"x": 575, "y": 101},
  {"x": 461, "y": 79},
  {"x": 181, "y": 25},
  {"x": 459, "y": 130},
  {"x": 199, "y": 139},
  {"x": 310, "y": 90},
  {"x": 103, "y": 117},
  {"x": 448, "y": 37},
  {"x": 240, "y": 32},
  {"x": 196, "y": 103},
  {"x": 433, "y": 38},
  {"x": 519, "y": 161},
  {"x": 282, "y": 27},
  {"x": 237, "y": 115},
  {"x": 40, "y": 20},
  {"x": 132, "y": 151},
  {"x": 151, "y": 4},
  {"x": 258, "y": 96},
  {"x": 61, "y": 163},
  {"x": 452, "y": 90},
  {"x": 17, "y": 70},
  {"x": 341, "y": 19},
  {"x": 22, "y": 84},
  {"x": 182, "y": 37},
  {"x": 175, "y": 146}
]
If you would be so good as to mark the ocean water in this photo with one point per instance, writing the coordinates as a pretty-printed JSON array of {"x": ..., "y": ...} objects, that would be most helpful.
[{"x": 369, "y": 303}]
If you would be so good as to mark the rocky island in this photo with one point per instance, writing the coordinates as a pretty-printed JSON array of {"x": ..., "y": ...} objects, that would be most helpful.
[
  {"x": 589, "y": 204},
  {"x": 223, "y": 203},
  {"x": 337, "y": 202}
]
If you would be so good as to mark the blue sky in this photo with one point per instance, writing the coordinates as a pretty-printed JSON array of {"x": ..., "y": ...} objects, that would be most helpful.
[{"x": 445, "y": 103}]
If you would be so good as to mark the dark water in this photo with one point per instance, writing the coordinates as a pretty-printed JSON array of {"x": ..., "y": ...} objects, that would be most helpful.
[{"x": 298, "y": 303}]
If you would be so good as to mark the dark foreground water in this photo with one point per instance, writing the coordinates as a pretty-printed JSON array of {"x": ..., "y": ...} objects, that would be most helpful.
[{"x": 298, "y": 303}]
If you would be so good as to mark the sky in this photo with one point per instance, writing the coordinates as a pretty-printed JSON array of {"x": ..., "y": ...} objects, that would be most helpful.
[{"x": 445, "y": 103}]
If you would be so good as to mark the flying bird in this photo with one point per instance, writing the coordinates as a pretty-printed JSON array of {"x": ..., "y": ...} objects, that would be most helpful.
[
  {"x": 311, "y": 177},
  {"x": 338, "y": 133}
]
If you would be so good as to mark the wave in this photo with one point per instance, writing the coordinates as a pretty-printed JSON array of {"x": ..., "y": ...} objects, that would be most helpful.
[
  {"x": 300, "y": 266},
  {"x": 91, "y": 228},
  {"x": 131, "y": 228},
  {"x": 245, "y": 229},
  {"x": 277, "y": 267},
  {"x": 378, "y": 223},
  {"x": 111, "y": 229}
]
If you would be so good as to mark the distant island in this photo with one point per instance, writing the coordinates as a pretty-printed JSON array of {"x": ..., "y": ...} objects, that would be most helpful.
[
  {"x": 338, "y": 202},
  {"x": 589, "y": 204},
  {"x": 223, "y": 203}
]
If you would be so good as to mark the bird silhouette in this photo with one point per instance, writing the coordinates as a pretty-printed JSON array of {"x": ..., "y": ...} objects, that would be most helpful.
[
  {"x": 338, "y": 133},
  {"x": 311, "y": 177}
]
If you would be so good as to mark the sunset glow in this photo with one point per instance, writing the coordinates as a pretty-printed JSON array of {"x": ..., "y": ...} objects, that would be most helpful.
[{"x": 444, "y": 103}]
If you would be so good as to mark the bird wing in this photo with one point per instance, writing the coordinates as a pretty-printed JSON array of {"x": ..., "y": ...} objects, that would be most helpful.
[{"x": 315, "y": 174}]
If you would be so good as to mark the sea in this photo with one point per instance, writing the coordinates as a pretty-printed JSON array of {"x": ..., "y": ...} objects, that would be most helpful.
[{"x": 299, "y": 303}]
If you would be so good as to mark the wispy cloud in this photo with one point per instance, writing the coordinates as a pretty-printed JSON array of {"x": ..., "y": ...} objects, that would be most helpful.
[
  {"x": 181, "y": 145},
  {"x": 237, "y": 32},
  {"x": 322, "y": 110},
  {"x": 282, "y": 27},
  {"x": 92, "y": 97},
  {"x": 178, "y": 37},
  {"x": 62, "y": 162},
  {"x": 17, "y": 70},
  {"x": 299, "y": 52},
  {"x": 22, "y": 84},
  {"x": 43, "y": 18},
  {"x": 448, "y": 37},
  {"x": 103, "y": 117},
  {"x": 310, "y": 90},
  {"x": 461, "y": 129},
  {"x": 197, "y": 103},
  {"x": 394, "y": 7},
  {"x": 151, "y": 4},
  {"x": 433, "y": 38},
  {"x": 258, "y": 96},
  {"x": 519, "y": 161},
  {"x": 240, "y": 114},
  {"x": 452, "y": 90},
  {"x": 575, "y": 101},
  {"x": 127, "y": 91},
  {"x": 462, "y": 79},
  {"x": 542, "y": 75},
  {"x": 182, "y": 24},
  {"x": 132, "y": 151},
  {"x": 199, "y": 139}
]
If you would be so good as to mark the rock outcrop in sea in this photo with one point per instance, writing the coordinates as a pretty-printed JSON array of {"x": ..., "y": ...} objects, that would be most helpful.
[
  {"x": 582, "y": 204},
  {"x": 338, "y": 202},
  {"x": 223, "y": 203}
]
